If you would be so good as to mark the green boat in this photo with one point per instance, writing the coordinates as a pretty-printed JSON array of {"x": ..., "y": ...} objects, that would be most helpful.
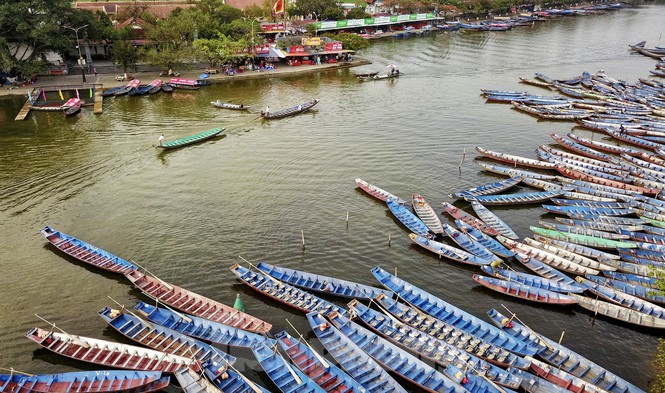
[
  {"x": 188, "y": 140},
  {"x": 591, "y": 241}
]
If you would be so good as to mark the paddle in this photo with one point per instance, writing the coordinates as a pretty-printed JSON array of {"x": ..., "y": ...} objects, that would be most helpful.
[
  {"x": 513, "y": 315},
  {"x": 12, "y": 371},
  {"x": 169, "y": 286},
  {"x": 182, "y": 316},
  {"x": 316, "y": 354},
  {"x": 286, "y": 364},
  {"x": 73, "y": 338},
  {"x": 273, "y": 279}
]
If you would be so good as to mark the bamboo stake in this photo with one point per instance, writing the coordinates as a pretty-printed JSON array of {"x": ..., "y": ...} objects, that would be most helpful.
[
  {"x": 12, "y": 371},
  {"x": 513, "y": 315},
  {"x": 389, "y": 240},
  {"x": 563, "y": 332},
  {"x": 462, "y": 160},
  {"x": 302, "y": 235}
]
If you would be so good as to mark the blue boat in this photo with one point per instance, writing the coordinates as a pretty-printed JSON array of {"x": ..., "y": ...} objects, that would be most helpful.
[
  {"x": 635, "y": 279},
  {"x": 644, "y": 261},
  {"x": 322, "y": 284},
  {"x": 638, "y": 291},
  {"x": 287, "y": 378},
  {"x": 86, "y": 252},
  {"x": 622, "y": 299},
  {"x": 523, "y": 198},
  {"x": 459, "y": 338},
  {"x": 563, "y": 358},
  {"x": 487, "y": 189},
  {"x": 328, "y": 376},
  {"x": 588, "y": 252},
  {"x": 200, "y": 328},
  {"x": 103, "y": 381},
  {"x": 544, "y": 270},
  {"x": 644, "y": 237},
  {"x": 493, "y": 220},
  {"x": 589, "y": 211},
  {"x": 228, "y": 379},
  {"x": 489, "y": 242},
  {"x": 444, "y": 250},
  {"x": 600, "y": 226},
  {"x": 582, "y": 149},
  {"x": 531, "y": 280},
  {"x": 284, "y": 293},
  {"x": 352, "y": 358},
  {"x": 162, "y": 338},
  {"x": 469, "y": 244},
  {"x": 393, "y": 358},
  {"x": 409, "y": 219},
  {"x": 591, "y": 204},
  {"x": 193, "y": 382},
  {"x": 436, "y": 350},
  {"x": 448, "y": 313},
  {"x": 512, "y": 172},
  {"x": 581, "y": 230}
]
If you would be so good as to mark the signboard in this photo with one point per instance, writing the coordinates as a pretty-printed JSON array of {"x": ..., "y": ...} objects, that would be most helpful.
[
  {"x": 295, "y": 49},
  {"x": 333, "y": 46},
  {"x": 273, "y": 27},
  {"x": 376, "y": 21},
  {"x": 311, "y": 41},
  {"x": 262, "y": 49}
]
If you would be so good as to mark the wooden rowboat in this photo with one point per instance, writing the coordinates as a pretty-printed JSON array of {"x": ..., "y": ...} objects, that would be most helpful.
[
  {"x": 592, "y": 211},
  {"x": 322, "y": 284},
  {"x": 433, "y": 349},
  {"x": 515, "y": 160},
  {"x": 357, "y": 363},
  {"x": 393, "y": 358},
  {"x": 561, "y": 357},
  {"x": 191, "y": 382},
  {"x": 86, "y": 252},
  {"x": 546, "y": 257},
  {"x": 226, "y": 105},
  {"x": 620, "y": 313},
  {"x": 487, "y": 241},
  {"x": 561, "y": 378},
  {"x": 163, "y": 339},
  {"x": 487, "y": 348},
  {"x": 195, "y": 304},
  {"x": 513, "y": 172},
  {"x": 469, "y": 244},
  {"x": 448, "y": 313},
  {"x": 583, "y": 230},
  {"x": 103, "y": 381},
  {"x": 582, "y": 149},
  {"x": 284, "y": 293},
  {"x": 200, "y": 328},
  {"x": 606, "y": 147},
  {"x": 573, "y": 174},
  {"x": 488, "y": 189},
  {"x": 192, "y": 139},
  {"x": 493, "y": 220},
  {"x": 377, "y": 192},
  {"x": 427, "y": 214},
  {"x": 523, "y": 291},
  {"x": 515, "y": 199},
  {"x": 467, "y": 218},
  {"x": 544, "y": 270},
  {"x": 287, "y": 378},
  {"x": 410, "y": 220},
  {"x": 567, "y": 254},
  {"x": 635, "y": 279},
  {"x": 328, "y": 376},
  {"x": 637, "y": 291},
  {"x": 444, "y": 250},
  {"x": 622, "y": 299},
  {"x": 531, "y": 280},
  {"x": 591, "y": 241},
  {"x": 109, "y": 354},
  {"x": 292, "y": 111}
]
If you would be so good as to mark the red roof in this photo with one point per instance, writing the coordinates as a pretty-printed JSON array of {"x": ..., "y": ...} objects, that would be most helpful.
[{"x": 242, "y": 4}]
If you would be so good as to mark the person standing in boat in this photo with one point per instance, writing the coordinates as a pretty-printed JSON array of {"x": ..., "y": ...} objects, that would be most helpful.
[
  {"x": 267, "y": 110},
  {"x": 161, "y": 140}
]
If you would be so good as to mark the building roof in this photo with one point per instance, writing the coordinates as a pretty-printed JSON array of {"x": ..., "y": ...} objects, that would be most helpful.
[
  {"x": 160, "y": 9},
  {"x": 243, "y": 4}
]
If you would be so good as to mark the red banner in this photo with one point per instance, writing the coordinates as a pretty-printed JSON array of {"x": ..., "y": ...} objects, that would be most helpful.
[
  {"x": 262, "y": 49},
  {"x": 295, "y": 49},
  {"x": 333, "y": 46},
  {"x": 273, "y": 27}
]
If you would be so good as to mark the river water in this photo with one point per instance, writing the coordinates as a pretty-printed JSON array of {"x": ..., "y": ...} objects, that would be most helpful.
[{"x": 187, "y": 215}]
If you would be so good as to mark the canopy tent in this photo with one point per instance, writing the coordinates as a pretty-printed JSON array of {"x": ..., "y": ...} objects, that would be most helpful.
[{"x": 273, "y": 52}]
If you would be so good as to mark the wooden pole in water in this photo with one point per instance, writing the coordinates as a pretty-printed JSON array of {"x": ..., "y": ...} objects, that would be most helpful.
[
  {"x": 389, "y": 239},
  {"x": 347, "y": 219},
  {"x": 563, "y": 332},
  {"x": 302, "y": 235},
  {"x": 462, "y": 160}
]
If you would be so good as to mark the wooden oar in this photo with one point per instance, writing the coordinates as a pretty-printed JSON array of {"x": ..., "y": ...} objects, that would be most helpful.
[
  {"x": 12, "y": 371},
  {"x": 183, "y": 316},
  {"x": 273, "y": 279},
  {"x": 169, "y": 286},
  {"x": 286, "y": 364},
  {"x": 72, "y": 337},
  {"x": 323, "y": 361},
  {"x": 513, "y": 315}
]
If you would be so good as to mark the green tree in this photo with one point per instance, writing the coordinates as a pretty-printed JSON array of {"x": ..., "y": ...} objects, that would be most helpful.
[
  {"x": 124, "y": 54},
  {"x": 332, "y": 13},
  {"x": 29, "y": 29},
  {"x": 309, "y": 7},
  {"x": 351, "y": 41},
  {"x": 357, "y": 13},
  {"x": 658, "y": 366},
  {"x": 220, "y": 50}
]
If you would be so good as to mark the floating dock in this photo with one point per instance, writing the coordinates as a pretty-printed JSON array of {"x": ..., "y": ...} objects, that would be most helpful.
[{"x": 51, "y": 98}]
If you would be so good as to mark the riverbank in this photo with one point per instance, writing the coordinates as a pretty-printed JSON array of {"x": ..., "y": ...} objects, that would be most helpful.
[{"x": 108, "y": 80}]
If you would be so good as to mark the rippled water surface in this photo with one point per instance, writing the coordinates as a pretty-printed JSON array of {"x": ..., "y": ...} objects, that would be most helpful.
[{"x": 187, "y": 215}]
